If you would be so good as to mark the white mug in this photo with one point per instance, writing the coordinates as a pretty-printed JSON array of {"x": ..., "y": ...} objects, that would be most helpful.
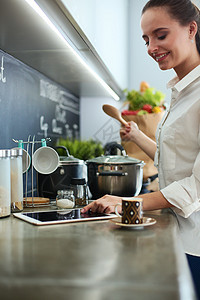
[{"x": 45, "y": 159}]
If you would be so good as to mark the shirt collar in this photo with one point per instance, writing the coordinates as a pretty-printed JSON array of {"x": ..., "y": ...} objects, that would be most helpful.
[{"x": 183, "y": 83}]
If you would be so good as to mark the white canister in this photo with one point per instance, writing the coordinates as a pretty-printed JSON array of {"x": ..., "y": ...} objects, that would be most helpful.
[
  {"x": 5, "y": 184},
  {"x": 16, "y": 180}
]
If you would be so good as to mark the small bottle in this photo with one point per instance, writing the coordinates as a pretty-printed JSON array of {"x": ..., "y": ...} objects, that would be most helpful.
[
  {"x": 80, "y": 191},
  {"x": 16, "y": 180},
  {"x": 65, "y": 199},
  {"x": 5, "y": 184}
]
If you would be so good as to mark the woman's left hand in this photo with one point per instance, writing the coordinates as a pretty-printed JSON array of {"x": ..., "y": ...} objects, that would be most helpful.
[{"x": 106, "y": 204}]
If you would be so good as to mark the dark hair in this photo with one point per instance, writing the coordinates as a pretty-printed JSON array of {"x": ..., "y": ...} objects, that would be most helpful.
[{"x": 184, "y": 11}]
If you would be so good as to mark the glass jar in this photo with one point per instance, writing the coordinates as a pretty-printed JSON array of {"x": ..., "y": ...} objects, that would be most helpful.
[
  {"x": 80, "y": 191},
  {"x": 65, "y": 199},
  {"x": 5, "y": 184},
  {"x": 16, "y": 180}
]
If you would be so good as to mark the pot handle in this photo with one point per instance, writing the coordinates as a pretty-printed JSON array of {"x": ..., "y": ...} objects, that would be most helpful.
[
  {"x": 112, "y": 174},
  {"x": 114, "y": 145},
  {"x": 64, "y": 148},
  {"x": 141, "y": 164}
]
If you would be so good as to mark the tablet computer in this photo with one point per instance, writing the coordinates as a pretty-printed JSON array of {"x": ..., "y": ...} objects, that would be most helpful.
[{"x": 61, "y": 216}]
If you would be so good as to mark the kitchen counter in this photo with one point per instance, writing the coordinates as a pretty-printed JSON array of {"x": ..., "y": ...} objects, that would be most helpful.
[{"x": 93, "y": 260}]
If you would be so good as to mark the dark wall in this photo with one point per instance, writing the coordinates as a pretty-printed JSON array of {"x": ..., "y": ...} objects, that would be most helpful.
[{"x": 32, "y": 104}]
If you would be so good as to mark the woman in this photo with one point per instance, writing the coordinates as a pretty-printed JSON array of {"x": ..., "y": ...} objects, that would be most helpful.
[{"x": 171, "y": 31}]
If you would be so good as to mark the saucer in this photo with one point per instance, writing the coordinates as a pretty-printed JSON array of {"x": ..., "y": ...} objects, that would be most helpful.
[{"x": 147, "y": 221}]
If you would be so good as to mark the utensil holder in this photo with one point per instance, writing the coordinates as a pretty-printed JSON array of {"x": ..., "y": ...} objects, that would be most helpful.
[{"x": 32, "y": 201}]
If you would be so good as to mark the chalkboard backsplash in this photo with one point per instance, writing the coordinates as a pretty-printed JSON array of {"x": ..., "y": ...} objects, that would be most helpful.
[{"x": 32, "y": 104}]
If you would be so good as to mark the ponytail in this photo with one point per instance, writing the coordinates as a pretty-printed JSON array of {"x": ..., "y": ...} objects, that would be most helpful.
[{"x": 197, "y": 37}]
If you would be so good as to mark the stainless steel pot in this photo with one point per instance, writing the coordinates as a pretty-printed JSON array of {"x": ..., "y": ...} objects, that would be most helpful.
[
  {"x": 118, "y": 175},
  {"x": 69, "y": 167}
]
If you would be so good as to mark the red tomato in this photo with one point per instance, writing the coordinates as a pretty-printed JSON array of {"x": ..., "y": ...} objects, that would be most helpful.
[{"x": 147, "y": 107}]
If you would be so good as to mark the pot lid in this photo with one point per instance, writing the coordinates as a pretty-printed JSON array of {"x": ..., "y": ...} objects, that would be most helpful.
[
  {"x": 70, "y": 160},
  {"x": 114, "y": 159}
]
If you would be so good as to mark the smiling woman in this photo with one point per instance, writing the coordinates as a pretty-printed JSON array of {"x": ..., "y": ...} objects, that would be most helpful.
[
  {"x": 171, "y": 30},
  {"x": 169, "y": 36}
]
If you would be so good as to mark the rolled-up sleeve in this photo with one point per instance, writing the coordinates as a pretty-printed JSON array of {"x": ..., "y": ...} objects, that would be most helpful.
[{"x": 185, "y": 194}]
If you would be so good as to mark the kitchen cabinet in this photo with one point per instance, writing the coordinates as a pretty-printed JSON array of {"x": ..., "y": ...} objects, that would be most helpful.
[
  {"x": 93, "y": 260},
  {"x": 24, "y": 35}
]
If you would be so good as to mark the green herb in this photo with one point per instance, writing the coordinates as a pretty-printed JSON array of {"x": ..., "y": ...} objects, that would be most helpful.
[{"x": 81, "y": 149}]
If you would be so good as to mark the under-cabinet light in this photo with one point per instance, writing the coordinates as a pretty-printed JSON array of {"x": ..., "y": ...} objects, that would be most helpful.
[{"x": 40, "y": 12}]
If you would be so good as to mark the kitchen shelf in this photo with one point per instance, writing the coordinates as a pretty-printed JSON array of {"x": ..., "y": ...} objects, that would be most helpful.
[{"x": 25, "y": 36}]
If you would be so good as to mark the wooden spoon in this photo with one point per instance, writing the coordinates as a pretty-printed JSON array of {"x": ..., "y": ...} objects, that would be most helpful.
[{"x": 114, "y": 113}]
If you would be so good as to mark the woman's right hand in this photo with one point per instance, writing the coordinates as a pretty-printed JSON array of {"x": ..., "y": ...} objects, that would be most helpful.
[
  {"x": 132, "y": 133},
  {"x": 129, "y": 132},
  {"x": 105, "y": 204}
]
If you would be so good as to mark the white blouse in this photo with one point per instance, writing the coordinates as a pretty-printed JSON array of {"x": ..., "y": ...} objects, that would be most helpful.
[{"x": 178, "y": 157}]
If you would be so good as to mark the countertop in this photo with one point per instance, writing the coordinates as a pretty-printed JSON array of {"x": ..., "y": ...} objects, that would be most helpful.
[{"x": 93, "y": 260}]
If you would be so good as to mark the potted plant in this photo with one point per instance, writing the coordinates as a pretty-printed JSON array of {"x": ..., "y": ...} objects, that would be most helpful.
[{"x": 82, "y": 149}]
